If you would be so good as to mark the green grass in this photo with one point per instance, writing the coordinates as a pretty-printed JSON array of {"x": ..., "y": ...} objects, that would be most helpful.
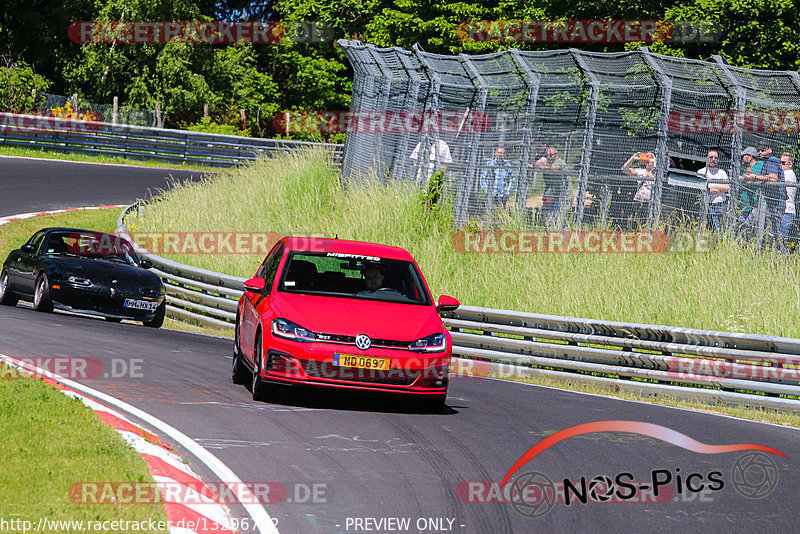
[
  {"x": 75, "y": 156},
  {"x": 52, "y": 442},
  {"x": 729, "y": 288}
]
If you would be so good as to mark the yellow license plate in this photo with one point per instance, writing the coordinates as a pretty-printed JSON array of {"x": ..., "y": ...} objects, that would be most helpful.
[{"x": 361, "y": 362}]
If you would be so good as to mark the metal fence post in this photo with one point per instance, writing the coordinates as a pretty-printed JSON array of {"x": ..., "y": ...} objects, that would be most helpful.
[
  {"x": 532, "y": 81},
  {"x": 662, "y": 151},
  {"x": 740, "y": 105},
  {"x": 588, "y": 141}
]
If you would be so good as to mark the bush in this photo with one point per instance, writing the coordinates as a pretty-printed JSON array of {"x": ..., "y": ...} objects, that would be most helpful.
[{"x": 17, "y": 82}]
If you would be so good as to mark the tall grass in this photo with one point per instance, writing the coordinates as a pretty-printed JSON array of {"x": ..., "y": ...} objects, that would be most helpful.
[{"x": 729, "y": 288}]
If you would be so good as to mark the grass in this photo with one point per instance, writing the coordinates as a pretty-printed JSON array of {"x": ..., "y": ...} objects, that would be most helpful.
[
  {"x": 729, "y": 288},
  {"x": 52, "y": 442},
  {"x": 75, "y": 156}
]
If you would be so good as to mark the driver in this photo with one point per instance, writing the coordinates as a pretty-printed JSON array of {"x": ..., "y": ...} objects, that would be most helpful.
[{"x": 373, "y": 279}]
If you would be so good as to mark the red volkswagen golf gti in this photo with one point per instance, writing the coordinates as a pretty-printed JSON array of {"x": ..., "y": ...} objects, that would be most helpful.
[{"x": 342, "y": 314}]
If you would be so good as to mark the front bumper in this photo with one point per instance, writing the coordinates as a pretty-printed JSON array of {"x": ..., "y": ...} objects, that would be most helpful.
[{"x": 409, "y": 372}]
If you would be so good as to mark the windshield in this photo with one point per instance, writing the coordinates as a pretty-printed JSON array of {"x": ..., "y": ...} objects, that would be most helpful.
[
  {"x": 91, "y": 245},
  {"x": 354, "y": 276}
]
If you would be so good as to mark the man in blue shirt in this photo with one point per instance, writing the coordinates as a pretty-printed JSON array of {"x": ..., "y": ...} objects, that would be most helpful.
[{"x": 497, "y": 179}]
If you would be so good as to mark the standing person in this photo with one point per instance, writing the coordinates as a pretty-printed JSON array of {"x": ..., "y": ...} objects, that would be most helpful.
[
  {"x": 748, "y": 194},
  {"x": 439, "y": 152},
  {"x": 646, "y": 177},
  {"x": 787, "y": 162},
  {"x": 772, "y": 171},
  {"x": 553, "y": 175},
  {"x": 501, "y": 183},
  {"x": 717, "y": 192}
]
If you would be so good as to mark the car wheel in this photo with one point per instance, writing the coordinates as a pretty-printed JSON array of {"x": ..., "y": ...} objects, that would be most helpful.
[
  {"x": 239, "y": 374},
  {"x": 432, "y": 404},
  {"x": 158, "y": 320},
  {"x": 6, "y": 295},
  {"x": 258, "y": 387},
  {"x": 41, "y": 296}
]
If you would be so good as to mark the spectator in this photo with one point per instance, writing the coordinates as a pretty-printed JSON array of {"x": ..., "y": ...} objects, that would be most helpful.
[
  {"x": 787, "y": 162},
  {"x": 501, "y": 183},
  {"x": 717, "y": 192},
  {"x": 772, "y": 171},
  {"x": 439, "y": 152},
  {"x": 555, "y": 183},
  {"x": 646, "y": 177},
  {"x": 748, "y": 194}
]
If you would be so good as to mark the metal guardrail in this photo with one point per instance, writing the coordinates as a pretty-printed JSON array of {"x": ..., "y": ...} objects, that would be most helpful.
[
  {"x": 705, "y": 365},
  {"x": 139, "y": 142}
]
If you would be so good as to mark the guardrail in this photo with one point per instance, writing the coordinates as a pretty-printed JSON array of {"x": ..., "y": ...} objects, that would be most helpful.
[
  {"x": 709, "y": 366},
  {"x": 139, "y": 142}
]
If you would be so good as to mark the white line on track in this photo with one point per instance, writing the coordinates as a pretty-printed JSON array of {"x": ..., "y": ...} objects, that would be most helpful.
[{"x": 262, "y": 519}]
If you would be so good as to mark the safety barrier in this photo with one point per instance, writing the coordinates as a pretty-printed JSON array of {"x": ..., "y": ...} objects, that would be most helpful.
[
  {"x": 139, "y": 142},
  {"x": 704, "y": 365}
]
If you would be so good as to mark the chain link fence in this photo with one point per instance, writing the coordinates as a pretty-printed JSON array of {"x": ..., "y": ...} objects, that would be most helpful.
[
  {"x": 102, "y": 112},
  {"x": 610, "y": 140}
]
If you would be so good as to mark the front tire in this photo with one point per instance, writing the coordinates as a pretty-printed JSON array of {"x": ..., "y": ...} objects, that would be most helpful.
[
  {"x": 239, "y": 373},
  {"x": 158, "y": 320},
  {"x": 258, "y": 387},
  {"x": 7, "y": 297},
  {"x": 41, "y": 295}
]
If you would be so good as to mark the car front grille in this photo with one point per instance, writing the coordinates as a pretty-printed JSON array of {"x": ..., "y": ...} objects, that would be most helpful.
[{"x": 351, "y": 340}]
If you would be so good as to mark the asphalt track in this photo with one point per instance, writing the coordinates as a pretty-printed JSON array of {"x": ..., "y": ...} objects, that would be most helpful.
[
  {"x": 373, "y": 458},
  {"x": 28, "y": 184}
]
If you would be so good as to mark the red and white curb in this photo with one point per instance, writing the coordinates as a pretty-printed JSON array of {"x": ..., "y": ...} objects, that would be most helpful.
[
  {"x": 21, "y": 216},
  {"x": 191, "y": 506}
]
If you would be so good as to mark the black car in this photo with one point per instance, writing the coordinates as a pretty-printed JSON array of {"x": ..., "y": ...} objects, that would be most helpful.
[{"x": 82, "y": 270}]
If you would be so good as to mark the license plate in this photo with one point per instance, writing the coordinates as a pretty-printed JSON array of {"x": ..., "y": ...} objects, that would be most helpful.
[
  {"x": 147, "y": 305},
  {"x": 361, "y": 362}
]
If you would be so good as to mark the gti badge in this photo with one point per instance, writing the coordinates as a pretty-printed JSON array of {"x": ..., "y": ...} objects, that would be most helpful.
[{"x": 363, "y": 341}]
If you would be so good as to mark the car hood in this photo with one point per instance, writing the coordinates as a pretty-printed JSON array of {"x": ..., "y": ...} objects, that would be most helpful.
[
  {"x": 350, "y": 317},
  {"x": 103, "y": 272}
]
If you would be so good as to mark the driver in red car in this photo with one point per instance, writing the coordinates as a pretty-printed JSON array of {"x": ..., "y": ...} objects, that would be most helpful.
[{"x": 373, "y": 278}]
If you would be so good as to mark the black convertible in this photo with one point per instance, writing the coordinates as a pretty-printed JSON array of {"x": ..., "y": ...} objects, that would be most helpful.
[{"x": 86, "y": 271}]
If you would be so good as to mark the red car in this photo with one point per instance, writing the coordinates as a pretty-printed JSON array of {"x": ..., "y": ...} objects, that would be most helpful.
[{"x": 342, "y": 314}]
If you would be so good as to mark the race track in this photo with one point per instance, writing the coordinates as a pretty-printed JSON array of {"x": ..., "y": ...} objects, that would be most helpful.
[{"x": 354, "y": 461}]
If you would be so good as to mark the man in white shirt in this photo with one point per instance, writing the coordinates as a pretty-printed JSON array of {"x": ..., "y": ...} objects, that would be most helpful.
[
  {"x": 717, "y": 192},
  {"x": 787, "y": 162},
  {"x": 439, "y": 151}
]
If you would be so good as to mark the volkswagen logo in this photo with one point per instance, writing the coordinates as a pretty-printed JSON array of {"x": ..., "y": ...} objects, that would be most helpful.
[{"x": 363, "y": 341}]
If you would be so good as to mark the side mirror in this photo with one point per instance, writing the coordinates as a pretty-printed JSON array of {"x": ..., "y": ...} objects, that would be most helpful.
[
  {"x": 145, "y": 263},
  {"x": 447, "y": 304},
  {"x": 28, "y": 249},
  {"x": 255, "y": 285}
]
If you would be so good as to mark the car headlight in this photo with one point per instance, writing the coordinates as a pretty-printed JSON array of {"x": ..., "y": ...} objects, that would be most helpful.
[
  {"x": 78, "y": 281},
  {"x": 289, "y": 330},
  {"x": 432, "y": 343}
]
